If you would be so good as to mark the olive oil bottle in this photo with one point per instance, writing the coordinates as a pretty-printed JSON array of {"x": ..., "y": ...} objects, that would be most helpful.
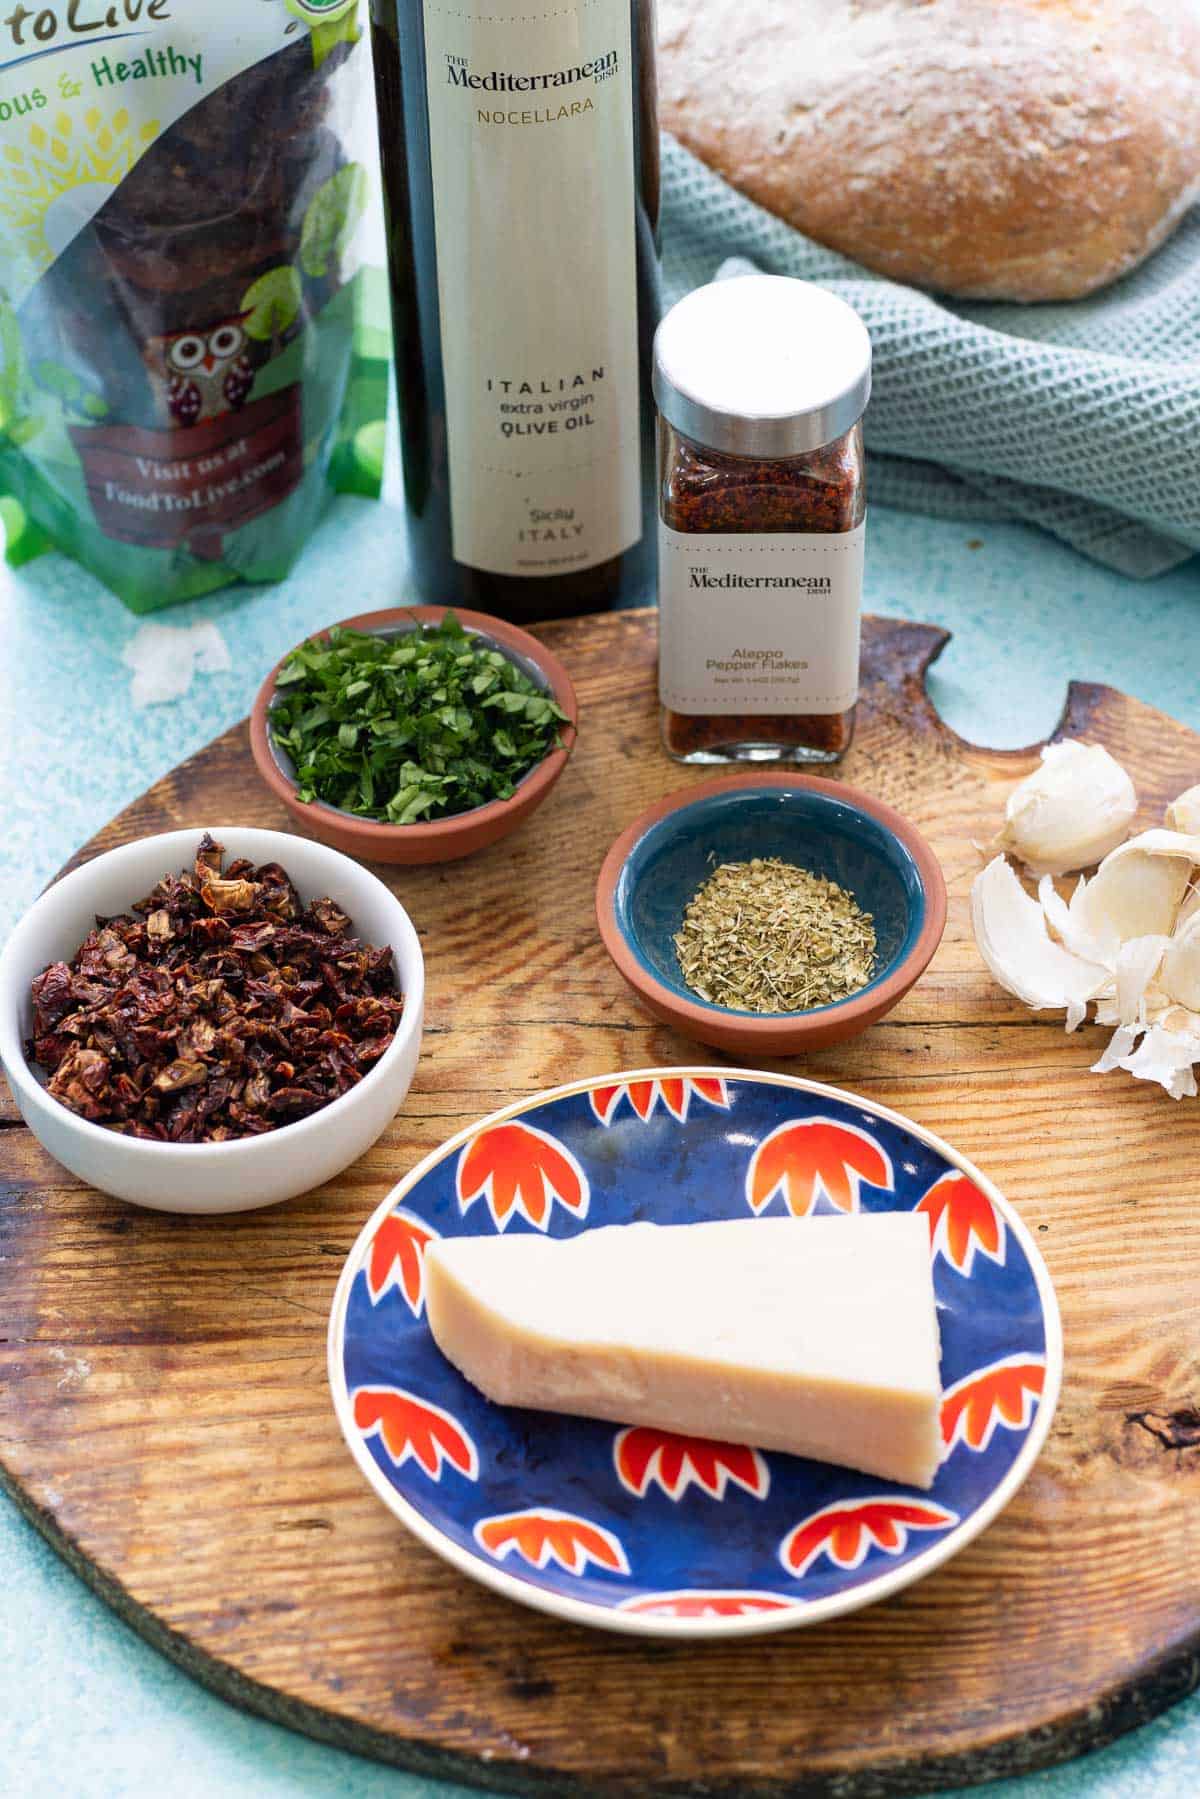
[{"x": 520, "y": 164}]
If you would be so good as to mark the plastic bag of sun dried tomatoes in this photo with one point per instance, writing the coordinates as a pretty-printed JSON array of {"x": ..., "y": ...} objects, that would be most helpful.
[{"x": 192, "y": 354}]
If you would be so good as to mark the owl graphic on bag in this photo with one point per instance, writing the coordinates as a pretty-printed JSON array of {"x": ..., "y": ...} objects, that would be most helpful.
[{"x": 200, "y": 374}]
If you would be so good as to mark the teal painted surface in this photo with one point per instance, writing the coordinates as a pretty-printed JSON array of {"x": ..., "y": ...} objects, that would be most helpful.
[{"x": 87, "y": 1711}]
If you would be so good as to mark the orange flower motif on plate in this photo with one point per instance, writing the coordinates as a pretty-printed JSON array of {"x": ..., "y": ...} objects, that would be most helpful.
[
  {"x": 518, "y": 1169},
  {"x": 1005, "y": 1394},
  {"x": 646, "y": 1458},
  {"x": 675, "y": 1094},
  {"x": 544, "y": 1536},
  {"x": 696, "y": 1603},
  {"x": 845, "y": 1533},
  {"x": 813, "y": 1157},
  {"x": 397, "y": 1258},
  {"x": 961, "y": 1221},
  {"x": 415, "y": 1429}
]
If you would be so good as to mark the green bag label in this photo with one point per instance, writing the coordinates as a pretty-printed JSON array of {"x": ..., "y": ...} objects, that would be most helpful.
[
  {"x": 319, "y": 12},
  {"x": 181, "y": 187}
]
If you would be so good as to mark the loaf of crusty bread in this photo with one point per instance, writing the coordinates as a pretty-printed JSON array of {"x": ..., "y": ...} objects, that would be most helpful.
[{"x": 993, "y": 149}]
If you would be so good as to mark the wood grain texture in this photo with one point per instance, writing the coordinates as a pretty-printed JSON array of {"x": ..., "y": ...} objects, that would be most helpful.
[{"x": 164, "y": 1416}]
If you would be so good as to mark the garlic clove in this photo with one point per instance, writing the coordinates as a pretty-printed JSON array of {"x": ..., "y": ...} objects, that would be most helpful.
[
  {"x": 1189, "y": 908},
  {"x": 1184, "y": 846},
  {"x": 1136, "y": 892},
  {"x": 1183, "y": 814},
  {"x": 1133, "y": 959},
  {"x": 1070, "y": 812},
  {"x": 1010, "y": 930},
  {"x": 1180, "y": 976}
]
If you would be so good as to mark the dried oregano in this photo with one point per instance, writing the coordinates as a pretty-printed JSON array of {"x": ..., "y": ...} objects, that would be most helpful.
[{"x": 766, "y": 936}]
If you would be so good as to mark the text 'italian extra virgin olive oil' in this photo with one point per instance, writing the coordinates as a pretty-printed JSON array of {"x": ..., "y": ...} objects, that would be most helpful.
[{"x": 520, "y": 161}]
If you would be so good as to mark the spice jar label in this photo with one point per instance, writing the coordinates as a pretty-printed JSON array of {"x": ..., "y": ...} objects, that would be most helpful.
[
  {"x": 531, "y": 145},
  {"x": 759, "y": 623}
]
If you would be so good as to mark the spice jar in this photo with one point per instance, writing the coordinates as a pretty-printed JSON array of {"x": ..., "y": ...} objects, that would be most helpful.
[{"x": 761, "y": 382}]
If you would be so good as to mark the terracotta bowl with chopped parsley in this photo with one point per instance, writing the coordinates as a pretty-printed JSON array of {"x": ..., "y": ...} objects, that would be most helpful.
[{"x": 419, "y": 734}]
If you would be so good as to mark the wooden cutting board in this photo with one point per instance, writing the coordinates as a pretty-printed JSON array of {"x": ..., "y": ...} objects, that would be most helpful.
[{"x": 164, "y": 1417}]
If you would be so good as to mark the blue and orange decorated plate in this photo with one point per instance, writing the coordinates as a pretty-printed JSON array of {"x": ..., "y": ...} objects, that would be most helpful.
[{"x": 639, "y": 1530}]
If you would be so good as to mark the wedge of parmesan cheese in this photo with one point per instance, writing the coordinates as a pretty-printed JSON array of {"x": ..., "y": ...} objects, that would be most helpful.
[{"x": 817, "y": 1336}]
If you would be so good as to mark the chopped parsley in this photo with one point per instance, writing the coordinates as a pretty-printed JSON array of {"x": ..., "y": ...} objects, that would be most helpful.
[{"x": 419, "y": 726}]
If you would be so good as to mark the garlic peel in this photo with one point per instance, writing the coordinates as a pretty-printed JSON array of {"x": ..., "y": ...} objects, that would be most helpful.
[
  {"x": 1183, "y": 814},
  {"x": 1071, "y": 812},
  {"x": 1065, "y": 922},
  {"x": 1137, "y": 964},
  {"x": 1121, "y": 1044},
  {"x": 1010, "y": 929},
  {"x": 1136, "y": 892},
  {"x": 1161, "y": 1055}
]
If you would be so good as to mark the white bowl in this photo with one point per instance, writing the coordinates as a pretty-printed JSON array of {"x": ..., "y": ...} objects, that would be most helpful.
[{"x": 246, "y": 1172}]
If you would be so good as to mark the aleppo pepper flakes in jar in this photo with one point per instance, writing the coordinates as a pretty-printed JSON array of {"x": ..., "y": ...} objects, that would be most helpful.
[
  {"x": 761, "y": 383},
  {"x": 219, "y": 1006}
]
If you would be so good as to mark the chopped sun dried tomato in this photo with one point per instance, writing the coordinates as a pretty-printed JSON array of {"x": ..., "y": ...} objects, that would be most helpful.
[{"x": 219, "y": 1006}]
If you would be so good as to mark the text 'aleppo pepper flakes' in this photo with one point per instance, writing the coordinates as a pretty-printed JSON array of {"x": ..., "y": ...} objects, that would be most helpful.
[{"x": 219, "y": 1006}]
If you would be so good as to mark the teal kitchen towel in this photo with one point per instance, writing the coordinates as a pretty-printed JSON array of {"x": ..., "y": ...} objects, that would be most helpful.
[{"x": 1083, "y": 418}]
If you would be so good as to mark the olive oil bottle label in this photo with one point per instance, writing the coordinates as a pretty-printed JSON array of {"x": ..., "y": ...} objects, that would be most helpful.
[
  {"x": 754, "y": 622},
  {"x": 532, "y": 152}
]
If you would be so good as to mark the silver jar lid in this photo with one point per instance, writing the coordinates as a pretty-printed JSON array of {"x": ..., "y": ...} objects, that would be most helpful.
[{"x": 762, "y": 365}]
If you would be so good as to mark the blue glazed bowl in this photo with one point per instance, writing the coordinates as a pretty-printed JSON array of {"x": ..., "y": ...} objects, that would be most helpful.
[{"x": 654, "y": 868}]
